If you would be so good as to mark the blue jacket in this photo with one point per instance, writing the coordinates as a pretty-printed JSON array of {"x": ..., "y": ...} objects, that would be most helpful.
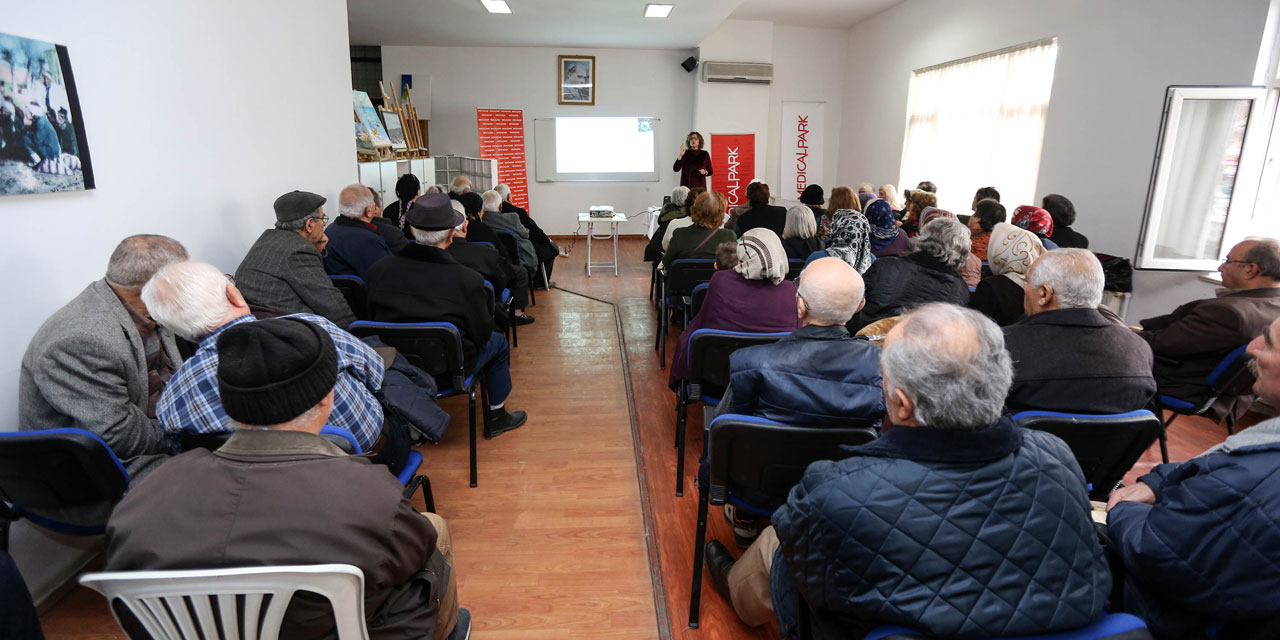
[
  {"x": 353, "y": 247},
  {"x": 954, "y": 533},
  {"x": 815, "y": 377},
  {"x": 42, "y": 139},
  {"x": 1209, "y": 548}
]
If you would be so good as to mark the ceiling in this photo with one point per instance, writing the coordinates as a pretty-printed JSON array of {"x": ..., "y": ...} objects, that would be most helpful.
[{"x": 582, "y": 23}]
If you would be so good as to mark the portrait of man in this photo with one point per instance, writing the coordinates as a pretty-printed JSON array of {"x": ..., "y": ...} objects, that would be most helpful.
[{"x": 577, "y": 80}]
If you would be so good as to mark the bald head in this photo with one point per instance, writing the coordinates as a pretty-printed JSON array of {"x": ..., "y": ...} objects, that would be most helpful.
[
  {"x": 830, "y": 291},
  {"x": 139, "y": 257},
  {"x": 356, "y": 202}
]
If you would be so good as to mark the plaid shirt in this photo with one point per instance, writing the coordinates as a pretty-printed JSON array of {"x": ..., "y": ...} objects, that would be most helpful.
[{"x": 190, "y": 402}]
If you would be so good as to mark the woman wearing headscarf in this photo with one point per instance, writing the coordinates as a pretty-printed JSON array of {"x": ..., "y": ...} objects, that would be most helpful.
[
  {"x": 928, "y": 275},
  {"x": 1010, "y": 253},
  {"x": 850, "y": 241},
  {"x": 986, "y": 214},
  {"x": 864, "y": 197},
  {"x": 971, "y": 270},
  {"x": 800, "y": 236},
  {"x": 842, "y": 199},
  {"x": 812, "y": 197},
  {"x": 1037, "y": 221},
  {"x": 886, "y": 238},
  {"x": 754, "y": 297}
]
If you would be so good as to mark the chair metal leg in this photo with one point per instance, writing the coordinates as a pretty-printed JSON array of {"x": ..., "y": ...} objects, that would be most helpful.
[
  {"x": 699, "y": 541},
  {"x": 1231, "y": 422},
  {"x": 653, "y": 279},
  {"x": 511, "y": 320},
  {"x": 682, "y": 410},
  {"x": 533, "y": 301},
  {"x": 1164, "y": 438},
  {"x": 471, "y": 401},
  {"x": 663, "y": 327}
]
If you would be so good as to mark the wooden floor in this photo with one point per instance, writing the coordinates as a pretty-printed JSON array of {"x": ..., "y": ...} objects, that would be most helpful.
[{"x": 575, "y": 530}]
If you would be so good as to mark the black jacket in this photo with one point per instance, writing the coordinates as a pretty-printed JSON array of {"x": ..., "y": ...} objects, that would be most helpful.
[
  {"x": 391, "y": 232},
  {"x": 800, "y": 248},
  {"x": 999, "y": 298},
  {"x": 481, "y": 259},
  {"x": 1066, "y": 237},
  {"x": 425, "y": 284},
  {"x": 765, "y": 215},
  {"x": 478, "y": 231},
  {"x": 1077, "y": 361},
  {"x": 545, "y": 248},
  {"x": 897, "y": 284}
]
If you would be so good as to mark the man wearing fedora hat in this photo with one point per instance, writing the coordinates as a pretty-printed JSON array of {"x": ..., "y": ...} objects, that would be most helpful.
[
  {"x": 284, "y": 273},
  {"x": 424, "y": 283}
]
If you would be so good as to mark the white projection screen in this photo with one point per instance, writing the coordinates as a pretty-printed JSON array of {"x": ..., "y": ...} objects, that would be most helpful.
[{"x": 596, "y": 149}]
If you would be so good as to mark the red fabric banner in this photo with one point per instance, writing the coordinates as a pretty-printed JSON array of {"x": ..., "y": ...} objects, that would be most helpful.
[
  {"x": 733, "y": 158},
  {"x": 501, "y": 134}
]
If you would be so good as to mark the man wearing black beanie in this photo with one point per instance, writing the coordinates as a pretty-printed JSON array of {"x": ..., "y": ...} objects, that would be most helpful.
[{"x": 278, "y": 494}]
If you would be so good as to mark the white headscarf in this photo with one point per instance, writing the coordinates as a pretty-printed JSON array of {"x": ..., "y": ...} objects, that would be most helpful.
[
  {"x": 761, "y": 256},
  {"x": 1011, "y": 252}
]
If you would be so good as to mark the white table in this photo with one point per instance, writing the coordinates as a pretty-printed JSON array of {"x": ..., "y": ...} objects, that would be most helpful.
[{"x": 584, "y": 218}]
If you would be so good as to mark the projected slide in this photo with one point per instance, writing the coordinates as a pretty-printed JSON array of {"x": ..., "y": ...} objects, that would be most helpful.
[{"x": 604, "y": 145}]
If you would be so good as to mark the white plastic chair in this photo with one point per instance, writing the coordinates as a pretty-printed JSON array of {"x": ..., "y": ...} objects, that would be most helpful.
[{"x": 160, "y": 599}]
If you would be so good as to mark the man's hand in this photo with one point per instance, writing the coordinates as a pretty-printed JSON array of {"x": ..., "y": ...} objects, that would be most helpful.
[{"x": 1138, "y": 492}]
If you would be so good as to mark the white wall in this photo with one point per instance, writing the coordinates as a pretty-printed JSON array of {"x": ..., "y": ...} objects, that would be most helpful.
[
  {"x": 198, "y": 115},
  {"x": 736, "y": 108},
  {"x": 1114, "y": 61},
  {"x": 630, "y": 82}
]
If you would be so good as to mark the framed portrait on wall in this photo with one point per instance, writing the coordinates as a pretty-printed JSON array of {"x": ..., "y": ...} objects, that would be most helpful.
[{"x": 577, "y": 79}]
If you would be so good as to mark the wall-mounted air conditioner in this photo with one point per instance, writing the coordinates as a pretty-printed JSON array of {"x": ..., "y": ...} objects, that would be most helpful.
[{"x": 740, "y": 72}]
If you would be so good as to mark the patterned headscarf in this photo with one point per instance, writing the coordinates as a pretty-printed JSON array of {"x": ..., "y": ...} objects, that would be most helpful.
[
  {"x": 761, "y": 256},
  {"x": 933, "y": 213},
  {"x": 1033, "y": 219},
  {"x": 1011, "y": 252},
  {"x": 851, "y": 240},
  {"x": 883, "y": 229},
  {"x": 864, "y": 197}
]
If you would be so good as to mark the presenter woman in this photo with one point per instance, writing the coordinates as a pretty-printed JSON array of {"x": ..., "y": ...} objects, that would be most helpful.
[{"x": 693, "y": 163}]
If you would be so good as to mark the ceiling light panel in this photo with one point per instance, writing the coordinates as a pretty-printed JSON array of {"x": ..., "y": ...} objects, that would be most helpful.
[
  {"x": 657, "y": 10},
  {"x": 496, "y": 6}
]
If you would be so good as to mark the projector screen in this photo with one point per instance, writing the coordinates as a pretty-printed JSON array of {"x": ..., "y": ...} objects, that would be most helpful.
[{"x": 596, "y": 149}]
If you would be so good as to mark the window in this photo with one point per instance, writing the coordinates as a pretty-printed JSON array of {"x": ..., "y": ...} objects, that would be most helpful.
[{"x": 979, "y": 122}]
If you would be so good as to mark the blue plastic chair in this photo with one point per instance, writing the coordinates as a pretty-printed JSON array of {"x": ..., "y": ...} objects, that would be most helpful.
[
  {"x": 697, "y": 297},
  {"x": 508, "y": 305},
  {"x": 1105, "y": 446},
  {"x": 407, "y": 474},
  {"x": 1232, "y": 377},
  {"x": 1114, "y": 625},
  {"x": 66, "y": 480},
  {"x": 353, "y": 289},
  {"x": 674, "y": 294}
]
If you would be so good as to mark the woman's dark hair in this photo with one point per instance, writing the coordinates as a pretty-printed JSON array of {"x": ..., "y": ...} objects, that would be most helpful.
[
  {"x": 812, "y": 196},
  {"x": 472, "y": 204},
  {"x": 989, "y": 212},
  {"x": 925, "y": 185},
  {"x": 694, "y": 192},
  {"x": 407, "y": 188},
  {"x": 1060, "y": 209},
  {"x": 708, "y": 210},
  {"x": 726, "y": 255},
  {"x": 987, "y": 192},
  {"x": 757, "y": 194}
]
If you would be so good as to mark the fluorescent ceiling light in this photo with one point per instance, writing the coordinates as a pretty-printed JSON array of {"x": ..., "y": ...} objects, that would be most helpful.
[
  {"x": 657, "y": 10},
  {"x": 496, "y": 6}
]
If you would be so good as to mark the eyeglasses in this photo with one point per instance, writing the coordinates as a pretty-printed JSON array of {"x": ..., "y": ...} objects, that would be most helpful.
[
  {"x": 322, "y": 219},
  {"x": 230, "y": 278},
  {"x": 1227, "y": 261}
]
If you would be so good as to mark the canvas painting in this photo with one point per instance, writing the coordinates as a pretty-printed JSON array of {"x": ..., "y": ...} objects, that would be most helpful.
[
  {"x": 42, "y": 140},
  {"x": 577, "y": 80},
  {"x": 370, "y": 134},
  {"x": 395, "y": 131}
]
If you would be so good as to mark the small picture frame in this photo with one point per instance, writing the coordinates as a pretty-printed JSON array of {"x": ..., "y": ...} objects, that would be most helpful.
[
  {"x": 395, "y": 130},
  {"x": 576, "y": 79}
]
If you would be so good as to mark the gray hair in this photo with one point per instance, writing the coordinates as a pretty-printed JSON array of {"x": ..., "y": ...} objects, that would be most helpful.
[
  {"x": 504, "y": 191},
  {"x": 800, "y": 222},
  {"x": 1075, "y": 275},
  {"x": 492, "y": 200},
  {"x": 1265, "y": 254},
  {"x": 945, "y": 239},
  {"x": 298, "y": 224},
  {"x": 139, "y": 257},
  {"x": 354, "y": 200},
  {"x": 189, "y": 298},
  {"x": 431, "y": 238},
  {"x": 952, "y": 364},
  {"x": 460, "y": 185},
  {"x": 679, "y": 195},
  {"x": 831, "y": 301},
  {"x": 435, "y": 188}
]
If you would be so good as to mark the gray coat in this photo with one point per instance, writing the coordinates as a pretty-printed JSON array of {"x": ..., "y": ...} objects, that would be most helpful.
[
  {"x": 284, "y": 272},
  {"x": 86, "y": 368},
  {"x": 511, "y": 222}
]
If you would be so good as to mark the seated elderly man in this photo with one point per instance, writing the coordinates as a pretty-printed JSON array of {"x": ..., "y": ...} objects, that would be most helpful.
[
  {"x": 955, "y": 522},
  {"x": 100, "y": 362},
  {"x": 1192, "y": 340},
  {"x": 486, "y": 261},
  {"x": 547, "y": 249},
  {"x": 354, "y": 241},
  {"x": 499, "y": 221},
  {"x": 385, "y": 228},
  {"x": 195, "y": 301},
  {"x": 283, "y": 271},
  {"x": 1066, "y": 355},
  {"x": 279, "y": 494},
  {"x": 928, "y": 275},
  {"x": 1199, "y": 538},
  {"x": 423, "y": 283}
]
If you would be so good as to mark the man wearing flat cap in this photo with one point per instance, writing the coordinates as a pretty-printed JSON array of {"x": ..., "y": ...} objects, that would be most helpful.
[
  {"x": 423, "y": 283},
  {"x": 283, "y": 272},
  {"x": 279, "y": 494}
]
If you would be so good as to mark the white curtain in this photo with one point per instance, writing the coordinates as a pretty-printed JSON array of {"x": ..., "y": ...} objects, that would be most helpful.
[{"x": 979, "y": 122}]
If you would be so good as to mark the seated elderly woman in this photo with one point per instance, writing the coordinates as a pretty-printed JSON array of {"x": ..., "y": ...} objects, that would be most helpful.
[
  {"x": 971, "y": 270},
  {"x": 890, "y": 193},
  {"x": 986, "y": 213},
  {"x": 896, "y": 284},
  {"x": 1037, "y": 221},
  {"x": 886, "y": 238},
  {"x": 812, "y": 197},
  {"x": 701, "y": 238},
  {"x": 1010, "y": 253},
  {"x": 842, "y": 199},
  {"x": 761, "y": 214},
  {"x": 850, "y": 241},
  {"x": 917, "y": 202},
  {"x": 755, "y": 296},
  {"x": 670, "y": 211},
  {"x": 800, "y": 236}
]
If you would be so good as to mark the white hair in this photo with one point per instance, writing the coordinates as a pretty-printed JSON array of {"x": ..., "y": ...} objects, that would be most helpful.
[
  {"x": 354, "y": 200},
  {"x": 431, "y": 238},
  {"x": 504, "y": 191},
  {"x": 188, "y": 298},
  {"x": 679, "y": 195},
  {"x": 945, "y": 239},
  {"x": 461, "y": 185},
  {"x": 832, "y": 298},
  {"x": 800, "y": 222},
  {"x": 137, "y": 258},
  {"x": 1075, "y": 275},
  {"x": 492, "y": 200},
  {"x": 951, "y": 363}
]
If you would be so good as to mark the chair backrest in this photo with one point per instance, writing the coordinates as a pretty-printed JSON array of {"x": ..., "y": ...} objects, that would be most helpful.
[
  {"x": 709, "y": 351},
  {"x": 510, "y": 241},
  {"x": 1233, "y": 376},
  {"x": 484, "y": 243},
  {"x": 794, "y": 267},
  {"x": 352, "y": 288},
  {"x": 687, "y": 273},
  {"x": 344, "y": 439},
  {"x": 698, "y": 296},
  {"x": 250, "y": 602},
  {"x": 1112, "y": 626},
  {"x": 434, "y": 347},
  {"x": 1106, "y": 446},
  {"x": 66, "y": 480},
  {"x": 769, "y": 458}
]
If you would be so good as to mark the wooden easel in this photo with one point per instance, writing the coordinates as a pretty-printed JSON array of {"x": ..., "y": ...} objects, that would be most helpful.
[{"x": 408, "y": 120}]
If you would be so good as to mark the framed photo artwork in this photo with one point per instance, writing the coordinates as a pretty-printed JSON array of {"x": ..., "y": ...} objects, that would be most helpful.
[
  {"x": 395, "y": 130},
  {"x": 576, "y": 76}
]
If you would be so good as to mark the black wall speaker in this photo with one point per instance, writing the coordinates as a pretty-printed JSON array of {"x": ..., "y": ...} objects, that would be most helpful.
[{"x": 690, "y": 64}]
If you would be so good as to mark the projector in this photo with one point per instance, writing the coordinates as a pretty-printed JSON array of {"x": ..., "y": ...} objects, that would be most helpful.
[{"x": 600, "y": 211}]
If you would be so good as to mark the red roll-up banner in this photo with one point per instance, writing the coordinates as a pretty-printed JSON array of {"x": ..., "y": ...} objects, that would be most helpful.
[
  {"x": 733, "y": 160},
  {"x": 501, "y": 134}
]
